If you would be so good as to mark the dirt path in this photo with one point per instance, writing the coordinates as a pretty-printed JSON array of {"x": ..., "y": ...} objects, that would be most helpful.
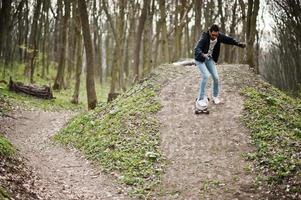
[
  {"x": 204, "y": 152},
  {"x": 63, "y": 174}
]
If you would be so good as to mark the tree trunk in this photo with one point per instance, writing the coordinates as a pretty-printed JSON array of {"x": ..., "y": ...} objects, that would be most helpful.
[
  {"x": 100, "y": 69},
  {"x": 5, "y": 16},
  {"x": 253, "y": 7},
  {"x": 222, "y": 17},
  {"x": 188, "y": 51},
  {"x": 224, "y": 49},
  {"x": 59, "y": 80},
  {"x": 26, "y": 33},
  {"x": 46, "y": 6},
  {"x": 243, "y": 37},
  {"x": 21, "y": 34},
  {"x": 209, "y": 13},
  {"x": 147, "y": 36},
  {"x": 121, "y": 42},
  {"x": 127, "y": 46},
  {"x": 164, "y": 38},
  {"x": 198, "y": 16},
  {"x": 33, "y": 39},
  {"x": 91, "y": 94},
  {"x": 95, "y": 38},
  {"x": 230, "y": 59},
  {"x": 79, "y": 54},
  {"x": 176, "y": 50},
  {"x": 142, "y": 20},
  {"x": 71, "y": 53},
  {"x": 57, "y": 42},
  {"x": 157, "y": 43},
  {"x": 113, "y": 65},
  {"x": 5, "y": 23}
]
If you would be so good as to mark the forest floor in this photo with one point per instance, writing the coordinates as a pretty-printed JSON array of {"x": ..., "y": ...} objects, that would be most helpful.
[{"x": 204, "y": 153}]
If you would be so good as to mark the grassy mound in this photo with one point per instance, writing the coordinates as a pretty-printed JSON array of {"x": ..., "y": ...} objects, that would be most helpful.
[
  {"x": 4, "y": 195},
  {"x": 123, "y": 137},
  {"x": 6, "y": 148},
  {"x": 274, "y": 119}
]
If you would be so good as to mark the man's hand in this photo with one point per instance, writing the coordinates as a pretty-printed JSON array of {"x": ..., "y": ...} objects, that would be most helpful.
[
  {"x": 205, "y": 55},
  {"x": 242, "y": 45}
]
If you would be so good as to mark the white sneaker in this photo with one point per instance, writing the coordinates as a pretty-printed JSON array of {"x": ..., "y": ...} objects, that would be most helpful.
[
  {"x": 216, "y": 100},
  {"x": 202, "y": 104}
]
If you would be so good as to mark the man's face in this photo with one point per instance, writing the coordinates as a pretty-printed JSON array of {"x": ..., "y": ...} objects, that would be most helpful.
[{"x": 213, "y": 35}]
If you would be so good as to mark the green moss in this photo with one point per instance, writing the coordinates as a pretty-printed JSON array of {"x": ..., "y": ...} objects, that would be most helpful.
[
  {"x": 122, "y": 137},
  {"x": 274, "y": 119},
  {"x": 4, "y": 195},
  {"x": 6, "y": 148}
]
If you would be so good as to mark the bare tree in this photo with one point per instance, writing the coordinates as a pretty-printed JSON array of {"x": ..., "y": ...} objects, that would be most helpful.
[
  {"x": 79, "y": 54},
  {"x": 253, "y": 8},
  {"x": 142, "y": 20},
  {"x": 164, "y": 38},
  {"x": 198, "y": 15},
  {"x": 90, "y": 84},
  {"x": 59, "y": 80},
  {"x": 244, "y": 25},
  {"x": 5, "y": 15},
  {"x": 230, "y": 58}
]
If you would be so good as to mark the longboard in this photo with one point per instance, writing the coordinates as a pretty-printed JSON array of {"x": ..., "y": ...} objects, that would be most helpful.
[{"x": 205, "y": 111}]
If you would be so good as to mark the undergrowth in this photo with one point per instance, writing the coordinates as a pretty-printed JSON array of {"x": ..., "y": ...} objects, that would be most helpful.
[
  {"x": 4, "y": 195},
  {"x": 274, "y": 119},
  {"x": 6, "y": 148}
]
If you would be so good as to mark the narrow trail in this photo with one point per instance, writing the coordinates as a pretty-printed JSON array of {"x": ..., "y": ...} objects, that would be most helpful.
[
  {"x": 63, "y": 174},
  {"x": 204, "y": 152}
]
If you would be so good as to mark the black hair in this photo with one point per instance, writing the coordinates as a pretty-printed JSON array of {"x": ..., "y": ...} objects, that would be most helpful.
[{"x": 214, "y": 28}]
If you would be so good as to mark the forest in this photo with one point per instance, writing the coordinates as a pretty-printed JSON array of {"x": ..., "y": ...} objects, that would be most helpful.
[
  {"x": 117, "y": 43},
  {"x": 98, "y": 100}
]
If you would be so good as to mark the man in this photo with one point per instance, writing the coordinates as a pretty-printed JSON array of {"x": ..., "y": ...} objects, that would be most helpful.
[{"x": 206, "y": 55}]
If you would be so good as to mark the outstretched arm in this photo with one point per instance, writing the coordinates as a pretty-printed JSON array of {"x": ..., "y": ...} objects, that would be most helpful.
[{"x": 229, "y": 40}]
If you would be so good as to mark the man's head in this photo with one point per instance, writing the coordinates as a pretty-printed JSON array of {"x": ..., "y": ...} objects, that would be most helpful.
[{"x": 213, "y": 31}]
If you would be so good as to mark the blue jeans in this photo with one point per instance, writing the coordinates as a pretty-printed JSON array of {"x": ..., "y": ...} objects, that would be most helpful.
[{"x": 208, "y": 68}]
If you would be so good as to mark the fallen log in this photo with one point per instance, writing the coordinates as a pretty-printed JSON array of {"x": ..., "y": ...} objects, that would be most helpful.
[
  {"x": 3, "y": 81},
  {"x": 43, "y": 92}
]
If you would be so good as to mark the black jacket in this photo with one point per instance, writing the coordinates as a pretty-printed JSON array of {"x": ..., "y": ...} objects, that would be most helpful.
[{"x": 204, "y": 42}]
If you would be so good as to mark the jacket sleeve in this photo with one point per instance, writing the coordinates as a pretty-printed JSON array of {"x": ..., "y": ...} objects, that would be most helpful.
[
  {"x": 198, "y": 49},
  {"x": 228, "y": 40}
]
